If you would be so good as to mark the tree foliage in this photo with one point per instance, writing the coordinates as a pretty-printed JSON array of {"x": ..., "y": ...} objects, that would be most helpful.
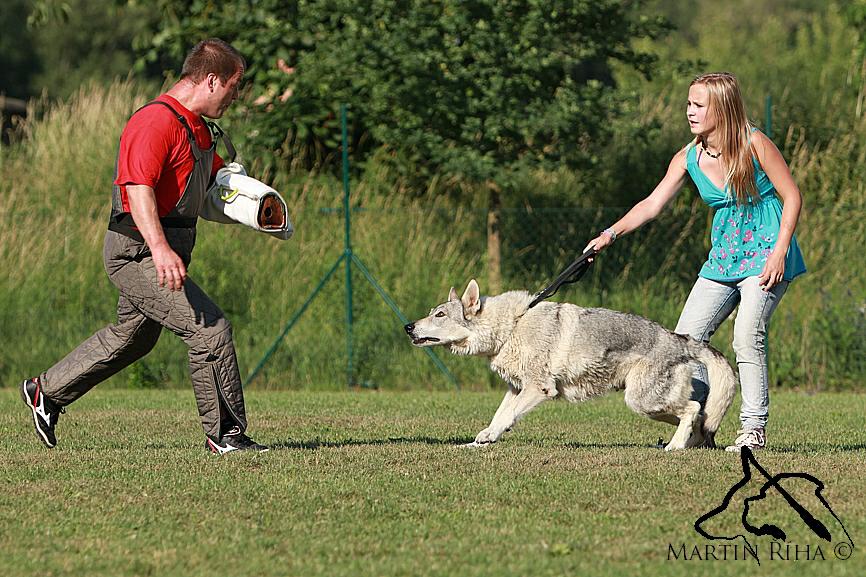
[
  {"x": 855, "y": 11},
  {"x": 473, "y": 88},
  {"x": 16, "y": 46},
  {"x": 84, "y": 41},
  {"x": 55, "y": 47}
]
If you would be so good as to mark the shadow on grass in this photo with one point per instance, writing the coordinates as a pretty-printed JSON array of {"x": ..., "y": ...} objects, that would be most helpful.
[
  {"x": 818, "y": 448},
  {"x": 658, "y": 446},
  {"x": 458, "y": 441},
  {"x": 453, "y": 441},
  {"x": 324, "y": 444}
]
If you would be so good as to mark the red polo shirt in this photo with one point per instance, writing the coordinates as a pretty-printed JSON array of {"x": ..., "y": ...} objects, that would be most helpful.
[{"x": 154, "y": 151}]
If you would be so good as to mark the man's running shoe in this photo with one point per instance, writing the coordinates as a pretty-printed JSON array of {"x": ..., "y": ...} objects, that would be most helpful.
[
  {"x": 45, "y": 411},
  {"x": 233, "y": 442}
]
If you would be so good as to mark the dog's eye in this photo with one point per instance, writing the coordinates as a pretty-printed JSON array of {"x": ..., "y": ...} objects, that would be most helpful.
[{"x": 439, "y": 314}]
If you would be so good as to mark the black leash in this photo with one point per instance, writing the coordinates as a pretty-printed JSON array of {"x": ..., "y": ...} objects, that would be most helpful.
[{"x": 572, "y": 273}]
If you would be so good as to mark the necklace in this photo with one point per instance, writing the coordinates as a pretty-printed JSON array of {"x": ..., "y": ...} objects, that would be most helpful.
[{"x": 707, "y": 150}]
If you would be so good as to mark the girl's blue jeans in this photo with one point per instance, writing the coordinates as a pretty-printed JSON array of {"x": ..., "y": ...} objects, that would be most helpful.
[{"x": 710, "y": 303}]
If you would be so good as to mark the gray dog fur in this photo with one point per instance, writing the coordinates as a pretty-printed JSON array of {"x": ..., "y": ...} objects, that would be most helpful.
[{"x": 561, "y": 350}]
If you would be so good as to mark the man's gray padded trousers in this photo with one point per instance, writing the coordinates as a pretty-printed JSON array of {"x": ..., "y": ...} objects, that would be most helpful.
[{"x": 143, "y": 309}]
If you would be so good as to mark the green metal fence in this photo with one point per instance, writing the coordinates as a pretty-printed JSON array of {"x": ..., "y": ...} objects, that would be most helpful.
[
  {"x": 349, "y": 259},
  {"x": 537, "y": 243}
]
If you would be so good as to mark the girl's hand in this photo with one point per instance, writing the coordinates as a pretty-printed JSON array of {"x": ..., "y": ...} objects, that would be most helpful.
[
  {"x": 774, "y": 271},
  {"x": 600, "y": 242}
]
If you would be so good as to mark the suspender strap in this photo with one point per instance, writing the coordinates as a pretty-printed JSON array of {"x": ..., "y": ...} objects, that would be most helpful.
[
  {"x": 215, "y": 130},
  {"x": 182, "y": 119},
  {"x": 227, "y": 142}
]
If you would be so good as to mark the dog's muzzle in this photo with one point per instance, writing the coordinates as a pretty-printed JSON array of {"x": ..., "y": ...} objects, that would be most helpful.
[{"x": 410, "y": 330}]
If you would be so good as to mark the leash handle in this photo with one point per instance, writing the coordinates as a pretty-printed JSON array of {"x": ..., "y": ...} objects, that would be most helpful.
[{"x": 571, "y": 274}]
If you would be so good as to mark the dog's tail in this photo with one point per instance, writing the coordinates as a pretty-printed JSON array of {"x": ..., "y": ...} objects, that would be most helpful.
[{"x": 723, "y": 387}]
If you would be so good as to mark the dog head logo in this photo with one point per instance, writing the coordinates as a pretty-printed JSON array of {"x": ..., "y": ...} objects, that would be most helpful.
[{"x": 755, "y": 498}]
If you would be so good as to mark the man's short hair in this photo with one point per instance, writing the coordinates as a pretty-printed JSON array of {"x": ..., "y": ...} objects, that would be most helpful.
[{"x": 212, "y": 56}]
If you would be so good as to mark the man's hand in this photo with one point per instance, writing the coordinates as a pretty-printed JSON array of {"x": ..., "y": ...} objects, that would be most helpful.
[{"x": 170, "y": 270}]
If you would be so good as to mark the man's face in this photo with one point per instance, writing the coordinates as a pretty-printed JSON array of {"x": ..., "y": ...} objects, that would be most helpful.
[{"x": 221, "y": 94}]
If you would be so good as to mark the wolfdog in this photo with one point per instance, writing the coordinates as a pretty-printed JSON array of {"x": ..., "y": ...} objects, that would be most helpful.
[{"x": 566, "y": 351}]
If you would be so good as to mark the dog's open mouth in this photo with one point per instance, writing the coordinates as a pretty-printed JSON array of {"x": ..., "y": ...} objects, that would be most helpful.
[{"x": 422, "y": 340}]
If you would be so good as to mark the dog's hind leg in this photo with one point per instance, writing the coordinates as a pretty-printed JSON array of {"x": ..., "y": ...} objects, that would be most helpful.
[
  {"x": 690, "y": 422},
  {"x": 511, "y": 410},
  {"x": 661, "y": 392}
]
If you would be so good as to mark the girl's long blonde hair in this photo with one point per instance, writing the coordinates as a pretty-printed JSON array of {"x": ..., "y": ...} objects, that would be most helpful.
[{"x": 734, "y": 131}]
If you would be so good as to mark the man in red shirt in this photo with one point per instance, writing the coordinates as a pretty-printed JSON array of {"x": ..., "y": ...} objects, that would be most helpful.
[{"x": 166, "y": 163}]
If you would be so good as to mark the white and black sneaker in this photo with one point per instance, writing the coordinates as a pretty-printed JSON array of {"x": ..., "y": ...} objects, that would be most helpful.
[
  {"x": 45, "y": 411},
  {"x": 234, "y": 440}
]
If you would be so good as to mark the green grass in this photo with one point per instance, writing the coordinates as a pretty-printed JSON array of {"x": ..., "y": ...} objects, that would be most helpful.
[{"x": 374, "y": 484}]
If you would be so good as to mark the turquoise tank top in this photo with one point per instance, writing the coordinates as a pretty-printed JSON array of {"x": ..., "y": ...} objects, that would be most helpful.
[{"x": 743, "y": 236}]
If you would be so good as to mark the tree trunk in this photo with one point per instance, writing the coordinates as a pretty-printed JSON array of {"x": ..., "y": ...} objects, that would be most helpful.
[
  {"x": 13, "y": 105},
  {"x": 494, "y": 241}
]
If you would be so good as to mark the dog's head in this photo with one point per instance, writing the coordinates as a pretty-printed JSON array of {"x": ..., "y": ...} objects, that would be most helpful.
[{"x": 449, "y": 323}]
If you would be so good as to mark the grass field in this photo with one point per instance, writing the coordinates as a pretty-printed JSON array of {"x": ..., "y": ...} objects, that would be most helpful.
[{"x": 374, "y": 484}]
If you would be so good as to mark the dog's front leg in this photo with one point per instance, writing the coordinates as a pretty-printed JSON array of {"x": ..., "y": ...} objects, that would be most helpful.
[
  {"x": 507, "y": 401},
  {"x": 486, "y": 436},
  {"x": 511, "y": 410}
]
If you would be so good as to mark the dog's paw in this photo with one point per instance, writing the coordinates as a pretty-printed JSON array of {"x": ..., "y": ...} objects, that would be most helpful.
[
  {"x": 473, "y": 445},
  {"x": 675, "y": 446},
  {"x": 486, "y": 437},
  {"x": 709, "y": 441}
]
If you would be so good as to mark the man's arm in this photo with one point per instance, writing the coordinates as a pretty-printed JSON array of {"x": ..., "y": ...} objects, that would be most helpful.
[{"x": 170, "y": 270}]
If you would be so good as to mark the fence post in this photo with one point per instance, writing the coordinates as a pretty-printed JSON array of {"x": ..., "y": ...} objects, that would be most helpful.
[
  {"x": 348, "y": 247},
  {"x": 349, "y": 257}
]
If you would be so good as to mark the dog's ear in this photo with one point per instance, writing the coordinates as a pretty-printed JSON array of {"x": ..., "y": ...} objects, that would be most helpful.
[
  {"x": 452, "y": 296},
  {"x": 471, "y": 298}
]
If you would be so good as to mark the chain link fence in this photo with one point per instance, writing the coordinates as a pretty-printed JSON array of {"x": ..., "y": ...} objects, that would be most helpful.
[{"x": 415, "y": 253}]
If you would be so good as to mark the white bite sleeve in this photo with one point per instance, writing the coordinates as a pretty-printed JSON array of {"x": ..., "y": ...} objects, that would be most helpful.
[{"x": 238, "y": 198}]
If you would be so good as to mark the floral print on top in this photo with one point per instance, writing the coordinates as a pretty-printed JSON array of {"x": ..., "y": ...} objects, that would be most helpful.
[{"x": 742, "y": 236}]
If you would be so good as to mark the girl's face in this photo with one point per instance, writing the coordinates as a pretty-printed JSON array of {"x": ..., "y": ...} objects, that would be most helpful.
[{"x": 701, "y": 120}]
